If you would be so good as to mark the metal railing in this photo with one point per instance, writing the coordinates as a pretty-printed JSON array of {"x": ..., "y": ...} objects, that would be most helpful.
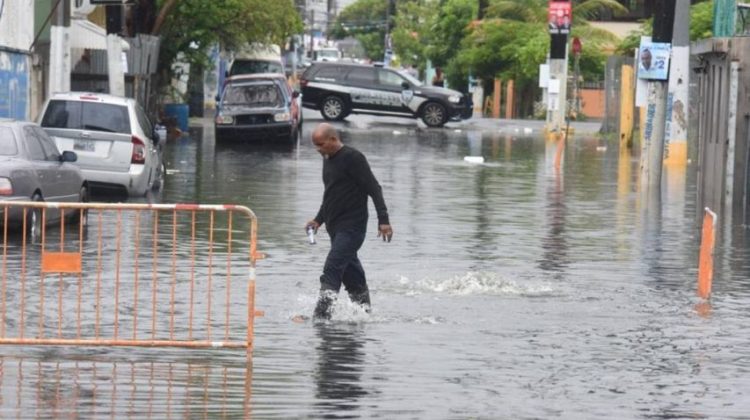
[{"x": 147, "y": 275}]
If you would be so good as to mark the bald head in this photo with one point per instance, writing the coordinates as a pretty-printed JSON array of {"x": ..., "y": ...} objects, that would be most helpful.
[
  {"x": 326, "y": 140},
  {"x": 325, "y": 130}
]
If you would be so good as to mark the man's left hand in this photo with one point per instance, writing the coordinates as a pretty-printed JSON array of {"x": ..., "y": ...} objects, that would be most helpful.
[{"x": 386, "y": 232}]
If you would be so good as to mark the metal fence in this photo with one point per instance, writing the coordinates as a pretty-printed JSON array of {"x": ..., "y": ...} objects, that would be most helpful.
[{"x": 147, "y": 275}]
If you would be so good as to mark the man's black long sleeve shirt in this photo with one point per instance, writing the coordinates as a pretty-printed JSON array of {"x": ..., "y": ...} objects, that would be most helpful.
[{"x": 348, "y": 182}]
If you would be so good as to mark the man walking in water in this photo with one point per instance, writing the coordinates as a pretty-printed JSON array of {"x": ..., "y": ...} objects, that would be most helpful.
[{"x": 348, "y": 181}]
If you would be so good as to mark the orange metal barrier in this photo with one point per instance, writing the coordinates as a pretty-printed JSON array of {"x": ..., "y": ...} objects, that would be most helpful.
[
  {"x": 129, "y": 275},
  {"x": 706, "y": 259}
]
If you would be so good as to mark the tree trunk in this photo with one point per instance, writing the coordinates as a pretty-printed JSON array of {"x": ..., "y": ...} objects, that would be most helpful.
[{"x": 162, "y": 16}]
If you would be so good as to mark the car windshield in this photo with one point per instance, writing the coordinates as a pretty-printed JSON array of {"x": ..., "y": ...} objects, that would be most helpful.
[
  {"x": 7, "y": 142},
  {"x": 328, "y": 53},
  {"x": 413, "y": 80},
  {"x": 254, "y": 95},
  {"x": 255, "y": 66}
]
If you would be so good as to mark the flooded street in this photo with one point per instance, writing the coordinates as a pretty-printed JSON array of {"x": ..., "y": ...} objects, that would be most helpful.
[{"x": 509, "y": 291}]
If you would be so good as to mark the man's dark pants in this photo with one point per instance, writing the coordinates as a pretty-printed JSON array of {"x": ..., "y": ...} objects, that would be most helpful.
[{"x": 343, "y": 267}]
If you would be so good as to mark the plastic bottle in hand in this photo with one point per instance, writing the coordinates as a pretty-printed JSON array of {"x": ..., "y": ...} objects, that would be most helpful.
[{"x": 311, "y": 235}]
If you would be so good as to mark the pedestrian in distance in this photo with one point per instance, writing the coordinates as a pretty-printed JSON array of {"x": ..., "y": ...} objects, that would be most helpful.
[
  {"x": 348, "y": 182},
  {"x": 438, "y": 79}
]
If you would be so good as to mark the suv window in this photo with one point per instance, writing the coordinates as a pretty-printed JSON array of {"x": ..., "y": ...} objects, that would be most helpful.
[
  {"x": 331, "y": 72},
  {"x": 390, "y": 79},
  {"x": 94, "y": 116},
  {"x": 361, "y": 76},
  {"x": 143, "y": 121},
  {"x": 7, "y": 142},
  {"x": 257, "y": 94}
]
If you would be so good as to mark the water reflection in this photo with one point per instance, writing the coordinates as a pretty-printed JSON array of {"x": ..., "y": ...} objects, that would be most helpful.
[
  {"x": 341, "y": 360},
  {"x": 91, "y": 386},
  {"x": 554, "y": 245}
]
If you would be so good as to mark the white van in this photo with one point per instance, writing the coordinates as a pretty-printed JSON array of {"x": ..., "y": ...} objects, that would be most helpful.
[
  {"x": 326, "y": 54},
  {"x": 257, "y": 58}
]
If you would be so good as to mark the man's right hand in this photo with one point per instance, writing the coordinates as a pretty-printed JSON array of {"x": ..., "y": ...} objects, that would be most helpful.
[{"x": 312, "y": 223}]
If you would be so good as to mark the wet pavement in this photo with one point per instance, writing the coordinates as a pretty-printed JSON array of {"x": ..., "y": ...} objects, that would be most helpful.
[{"x": 510, "y": 290}]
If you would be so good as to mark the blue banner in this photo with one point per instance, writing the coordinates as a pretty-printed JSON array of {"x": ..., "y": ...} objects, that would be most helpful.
[{"x": 14, "y": 85}]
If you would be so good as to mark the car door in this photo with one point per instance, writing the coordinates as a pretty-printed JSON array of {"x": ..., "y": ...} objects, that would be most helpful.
[
  {"x": 361, "y": 81},
  {"x": 67, "y": 183},
  {"x": 395, "y": 96}
]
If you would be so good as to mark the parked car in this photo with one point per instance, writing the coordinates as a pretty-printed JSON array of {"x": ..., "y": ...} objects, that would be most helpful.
[
  {"x": 117, "y": 145},
  {"x": 338, "y": 89},
  {"x": 258, "y": 106},
  {"x": 32, "y": 169}
]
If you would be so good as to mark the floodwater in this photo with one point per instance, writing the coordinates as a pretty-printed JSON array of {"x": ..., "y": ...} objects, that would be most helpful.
[{"x": 510, "y": 290}]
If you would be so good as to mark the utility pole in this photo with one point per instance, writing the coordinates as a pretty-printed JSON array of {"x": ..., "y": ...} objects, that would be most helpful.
[
  {"x": 652, "y": 150},
  {"x": 59, "y": 62},
  {"x": 557, "y": 86},
  {"x": 675, "y": 151},
  {"x": 388, "y": 41}
]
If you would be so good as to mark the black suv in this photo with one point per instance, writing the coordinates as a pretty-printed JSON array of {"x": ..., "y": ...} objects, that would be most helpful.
[{"x": 339, "y": 89}]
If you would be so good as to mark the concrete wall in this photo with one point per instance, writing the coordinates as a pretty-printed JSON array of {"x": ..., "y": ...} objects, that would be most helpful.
[
  {"x": 16, "y": 36},
  {"x": 17, "y": 24},
  {"x": 724, "y": 127},
  {"x": 592, "y": 103}
]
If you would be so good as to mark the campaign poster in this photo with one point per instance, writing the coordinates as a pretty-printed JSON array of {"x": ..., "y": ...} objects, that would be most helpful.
[
  {"x": 653, "y": 60},
  {"x": 559, "y": 17}
]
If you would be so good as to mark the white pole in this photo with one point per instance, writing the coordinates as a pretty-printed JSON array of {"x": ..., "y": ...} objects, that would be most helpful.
[{"x": 114, "y": 65}]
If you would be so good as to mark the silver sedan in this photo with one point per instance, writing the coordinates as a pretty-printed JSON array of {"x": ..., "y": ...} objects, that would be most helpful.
[{"x": 32, "y": 169}]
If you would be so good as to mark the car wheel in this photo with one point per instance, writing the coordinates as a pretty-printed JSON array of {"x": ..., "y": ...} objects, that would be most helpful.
[
  {"x": 434, "y": 114},
  {"x": 34, "y": 221},
  {"x": 159, "y": 180},
  {"x": 333, "y": 108}
]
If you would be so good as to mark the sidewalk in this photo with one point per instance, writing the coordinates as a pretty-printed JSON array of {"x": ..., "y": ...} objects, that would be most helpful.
[{"x": 523, "y": 126}]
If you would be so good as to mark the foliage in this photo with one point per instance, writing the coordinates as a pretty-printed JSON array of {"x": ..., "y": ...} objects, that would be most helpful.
[
  {"x": 193, "y": 27},
  {"x": 505, "y": 49},
  {"x": 448, "y": 30},
  {"x": 411, "y": 33},
  {"x": 364, "y": 20},
  {"x": 701, "y": 26}
]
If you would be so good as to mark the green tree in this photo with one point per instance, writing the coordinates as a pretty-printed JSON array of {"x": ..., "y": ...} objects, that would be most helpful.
[
  {"x": 701, "y": 26},
  {"x": 513, "y": 41},
  {"x": 365, "y": 20},
  {"x": 411, "y": 33},
  {"x": 193, "y": 27}
]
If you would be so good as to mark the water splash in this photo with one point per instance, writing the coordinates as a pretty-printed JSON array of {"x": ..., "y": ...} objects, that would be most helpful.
[{"x": 474, "y": 283}]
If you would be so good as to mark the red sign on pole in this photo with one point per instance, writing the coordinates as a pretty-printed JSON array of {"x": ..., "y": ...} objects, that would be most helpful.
[{"x": 559, "y": 17}]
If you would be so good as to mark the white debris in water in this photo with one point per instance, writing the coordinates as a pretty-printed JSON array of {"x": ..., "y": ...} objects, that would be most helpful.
[
  {"x": 396, "y": 133},
  {"x": 457, "y": 130},
  {"x": 601, "y": 148},
  {"x": 474, "y": 159},
  {"x": 173, "y": 171},
  {"x": 527, "y": 130}
]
